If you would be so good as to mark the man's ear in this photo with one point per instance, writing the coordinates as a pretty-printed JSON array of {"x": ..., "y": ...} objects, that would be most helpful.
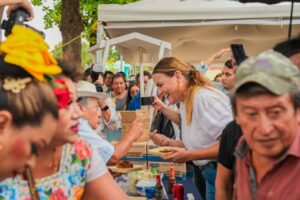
[
  {"x": 82, "y": 108},
  {"x": 5, "y": 120}
]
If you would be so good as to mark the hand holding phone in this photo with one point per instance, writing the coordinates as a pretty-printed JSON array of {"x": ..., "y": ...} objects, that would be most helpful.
[
  {"x": 147, "y": 101},
  {"x": 238, "y": 53}
]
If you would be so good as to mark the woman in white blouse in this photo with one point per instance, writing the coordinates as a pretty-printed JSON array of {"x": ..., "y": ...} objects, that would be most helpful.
[{"x": 204, "y": 112}]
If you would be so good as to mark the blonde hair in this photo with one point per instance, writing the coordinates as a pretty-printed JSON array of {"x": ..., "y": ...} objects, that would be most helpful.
[
  {"x": 196, "y": 80},
  {"x": 30, "y": 105}
]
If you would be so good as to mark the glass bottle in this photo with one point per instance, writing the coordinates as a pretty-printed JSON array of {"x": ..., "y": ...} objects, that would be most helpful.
[
  {"x": 158, "y": 188},
  {"x": 172, "y": 180}
]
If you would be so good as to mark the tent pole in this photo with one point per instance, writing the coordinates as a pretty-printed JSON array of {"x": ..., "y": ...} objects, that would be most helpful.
[
  {"x": 291, "y": 21},
  {"x": 121, "y": 63},
  {"x": 98, "y": 60},
  {"x": 141, "y": 72},
  {"x": 161, "y": 51},
  {"x": 106, "y": 52}
]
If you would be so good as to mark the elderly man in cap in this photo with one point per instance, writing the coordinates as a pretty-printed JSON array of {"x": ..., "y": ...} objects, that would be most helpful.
[
  {"x": 88, "y": 100},
  {"x": 266, "y": 104}
]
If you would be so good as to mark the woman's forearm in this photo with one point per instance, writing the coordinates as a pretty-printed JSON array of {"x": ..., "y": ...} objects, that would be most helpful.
[
  {"x": 172, "y": 114},
  {"x": 205, "y": 153}
]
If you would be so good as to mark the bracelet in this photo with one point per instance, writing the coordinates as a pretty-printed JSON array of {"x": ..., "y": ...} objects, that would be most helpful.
[{"x": 105, "y": 108}]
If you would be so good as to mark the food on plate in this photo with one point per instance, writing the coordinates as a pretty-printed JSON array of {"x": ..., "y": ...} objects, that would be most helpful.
[
  {"x": 124, "y": 165},
  {"x": 165, "y": 151}
]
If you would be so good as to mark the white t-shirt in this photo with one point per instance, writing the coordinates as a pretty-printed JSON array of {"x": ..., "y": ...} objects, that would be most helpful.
[
  {"x": 211, "y": 113},
  {"x": 97, "y": 167}
]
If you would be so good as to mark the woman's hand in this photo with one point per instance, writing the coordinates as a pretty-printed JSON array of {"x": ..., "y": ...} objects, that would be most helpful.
[
  {"x": 158, "y": 104},
  {"x": 176, "y": 154},
  {"x": 159, "y": 139}
]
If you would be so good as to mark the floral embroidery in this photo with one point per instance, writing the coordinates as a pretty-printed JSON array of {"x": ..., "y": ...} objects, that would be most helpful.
[
  {"x": 67, "y": 184},
  {"x": 58, "y": 195},
  {"x": 78, "y": 193},
  {"x": 82, "y": 150}
]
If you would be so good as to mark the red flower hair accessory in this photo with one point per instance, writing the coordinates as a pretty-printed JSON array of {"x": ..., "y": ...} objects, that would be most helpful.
[{"x": 61, "y": 92}]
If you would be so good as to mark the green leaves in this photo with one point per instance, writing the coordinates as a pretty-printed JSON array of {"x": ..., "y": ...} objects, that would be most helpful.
[{"x": 89, "y": 13}]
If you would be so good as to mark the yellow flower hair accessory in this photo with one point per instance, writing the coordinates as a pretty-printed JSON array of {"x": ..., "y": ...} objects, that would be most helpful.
[{"x": 27, "y": 49}]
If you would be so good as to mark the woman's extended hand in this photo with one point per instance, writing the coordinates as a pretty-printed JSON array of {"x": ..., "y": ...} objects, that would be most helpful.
[
  {"x": 176, "y": 154},
  {"x": 159, "y": 139}
]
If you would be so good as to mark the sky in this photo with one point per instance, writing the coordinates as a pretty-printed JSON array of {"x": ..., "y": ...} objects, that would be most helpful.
[{"x": 53, "y": 35}]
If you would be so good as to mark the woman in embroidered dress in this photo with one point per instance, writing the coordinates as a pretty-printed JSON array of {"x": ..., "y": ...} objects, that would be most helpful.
[
  {"x": 25, "y": 121},
  {"x": 68, "y": 168}
]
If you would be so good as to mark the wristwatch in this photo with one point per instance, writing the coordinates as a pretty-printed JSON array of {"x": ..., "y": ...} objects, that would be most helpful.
[{"x": 105, "y": 108}]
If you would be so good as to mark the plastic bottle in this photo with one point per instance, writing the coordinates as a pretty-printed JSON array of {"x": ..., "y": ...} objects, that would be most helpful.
[{"x": 190, "y": 196}]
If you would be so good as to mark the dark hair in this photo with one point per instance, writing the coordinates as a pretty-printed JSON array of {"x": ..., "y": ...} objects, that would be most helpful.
[
  {"x": 30, "y": 105},
  {"x": 123, "y": 74},
  {"x": 95, "y": 75},
  {"x": 118, "y": 75},
  {"x": 129, "y": 98},
  {"x": 229, "y": 64},
  {"x": 146, "y": 73},
  {"x": 107, "y": 72},
  {"x": 69, "y": 70},
  {"x": 253, "y": 89},
  {"x": 288, "y": 48}
]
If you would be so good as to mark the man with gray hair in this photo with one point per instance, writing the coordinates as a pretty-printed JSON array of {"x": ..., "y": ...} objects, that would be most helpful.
[
  {"x": 88, "y": 100},
  {"x": 266, "y": 105}
]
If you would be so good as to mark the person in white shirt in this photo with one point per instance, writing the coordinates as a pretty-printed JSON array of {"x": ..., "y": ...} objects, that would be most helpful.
[{"x": 204, "y": 112}]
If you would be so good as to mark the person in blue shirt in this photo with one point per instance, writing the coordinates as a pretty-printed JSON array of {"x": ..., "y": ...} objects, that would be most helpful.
[{"x": 88, "y": 100}]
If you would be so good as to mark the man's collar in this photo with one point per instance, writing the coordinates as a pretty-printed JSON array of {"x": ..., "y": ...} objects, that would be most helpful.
[
  {"x": 241, "y": 149},
  {"x": 294, "y": 150},
  {"x": 83, "y": 121}
]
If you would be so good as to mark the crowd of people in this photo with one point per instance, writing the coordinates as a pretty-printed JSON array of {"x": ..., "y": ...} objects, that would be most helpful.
[{"x": 239, "y": 132}]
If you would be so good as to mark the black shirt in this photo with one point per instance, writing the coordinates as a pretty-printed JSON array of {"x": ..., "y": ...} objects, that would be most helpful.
[{"x": 229, "y": 139}]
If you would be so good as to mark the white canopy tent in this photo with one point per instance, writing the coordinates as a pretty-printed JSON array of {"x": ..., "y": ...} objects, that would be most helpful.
[
  {"x": 135, "y": 42},
  {"x": 198, "y": 28}
]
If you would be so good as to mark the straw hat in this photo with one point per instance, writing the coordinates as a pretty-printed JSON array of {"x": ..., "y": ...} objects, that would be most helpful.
[{"x": 87, "y": 89}]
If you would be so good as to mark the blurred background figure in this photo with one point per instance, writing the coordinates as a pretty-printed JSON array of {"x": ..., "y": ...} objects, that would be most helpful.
[
  {"x": 108, "y": 77},
  {"x": 228, "y": 74}
]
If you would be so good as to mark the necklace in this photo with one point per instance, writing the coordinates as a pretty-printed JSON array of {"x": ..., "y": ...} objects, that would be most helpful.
[{"x": 31, "y": 183}]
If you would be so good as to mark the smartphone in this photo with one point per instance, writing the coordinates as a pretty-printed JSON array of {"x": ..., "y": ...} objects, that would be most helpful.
[
  {"x": 146, "y": 101},
  {"x": 238, "y": 53}
]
